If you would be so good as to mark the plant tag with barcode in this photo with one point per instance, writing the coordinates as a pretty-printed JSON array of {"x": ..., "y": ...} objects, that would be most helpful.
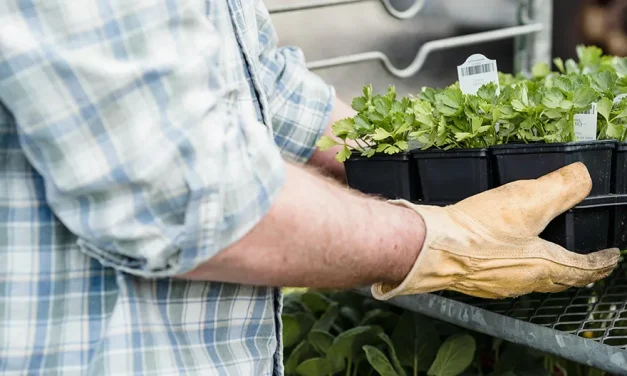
[
  {"x": 586, "y": 124},
  {"x": 477, "y": 71}
]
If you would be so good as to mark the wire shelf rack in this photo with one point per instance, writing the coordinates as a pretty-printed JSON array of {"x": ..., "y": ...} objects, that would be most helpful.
[
  {"x": 587, "y": 325},
  {"x": 597, "y": 312}
]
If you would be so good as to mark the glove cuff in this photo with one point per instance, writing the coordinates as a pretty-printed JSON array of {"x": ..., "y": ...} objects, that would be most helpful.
[{"x": 420, "y": 278}]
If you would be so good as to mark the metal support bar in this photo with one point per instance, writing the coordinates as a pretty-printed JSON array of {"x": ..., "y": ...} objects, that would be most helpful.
[
  {"x": 426, "y": 49},
  {"x": 578, "y": 349},
  {"x": 406, "y": 14},
  {"x": 534, "y": 48}
]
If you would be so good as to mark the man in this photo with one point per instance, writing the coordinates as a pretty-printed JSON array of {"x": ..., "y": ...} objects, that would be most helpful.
[{"x": 152, "y": 185}]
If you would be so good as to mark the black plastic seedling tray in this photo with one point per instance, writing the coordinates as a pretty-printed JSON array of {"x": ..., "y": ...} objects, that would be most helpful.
[
  {"x": 587, "y": 227},
  {"x": 452, "y": 175},
  {"x": 513, "y": 162},
  {"x": 388, "y": 176},
  {"x": 619, "y": 186}
]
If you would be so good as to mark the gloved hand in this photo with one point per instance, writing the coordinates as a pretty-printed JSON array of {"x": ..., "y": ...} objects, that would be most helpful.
[{"x": 488, "y": 245}]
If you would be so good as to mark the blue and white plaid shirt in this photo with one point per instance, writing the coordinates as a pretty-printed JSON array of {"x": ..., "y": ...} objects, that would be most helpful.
[{"x": 137, "y": 140}]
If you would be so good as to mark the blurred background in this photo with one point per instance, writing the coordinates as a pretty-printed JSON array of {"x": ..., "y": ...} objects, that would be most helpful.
[{"x": 344, "y": 27}]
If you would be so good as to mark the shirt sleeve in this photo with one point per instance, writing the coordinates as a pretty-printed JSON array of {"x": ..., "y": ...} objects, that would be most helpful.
[
  {"x": 144, "y": 154},
  {"x": 300, "y": 102}
]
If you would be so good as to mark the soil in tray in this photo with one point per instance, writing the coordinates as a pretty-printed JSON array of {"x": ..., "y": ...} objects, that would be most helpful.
[
  {"x": 388, "y": 176},
  {"x": 452, "y": 175},
  {"x": 530, "y": 161}
]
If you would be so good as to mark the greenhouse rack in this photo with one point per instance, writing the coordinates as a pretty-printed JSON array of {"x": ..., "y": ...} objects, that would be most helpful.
[{"x": 586, "y": 325}]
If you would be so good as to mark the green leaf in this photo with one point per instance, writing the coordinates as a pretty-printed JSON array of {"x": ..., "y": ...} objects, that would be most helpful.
[
  {"x": 328, "y": 318},
  {"x": 483, "y": 129},
  {"x": 614, "y": 131},
  {"x": 559, "y": 63},
  {"x": 553, "y": 98},
  {"x": 620, "y": 65},
  {"x": 320, "y": 340},
  {"x": 571, "y": 66},
  {"x": 450, "y": 101},
  {"x": 315, "y": 367},
  {"x": 402, "y": 145},
  {"x": 604, "y": 107},
  {"x": 402, "y": 129},
  {"x": 350, "y": 314},
  {"x": 343, "y": 127},
  {"x": 392, "y": 150},
  {"x": 380, "y": 134},
  {"x": 622, "y": 113},
  {"x": 461, "y": 136},
  {"x": 566, "y": 105},
  {"x": 518, "y": 105},
  {"x": 379, "y": 361},
  {"x": 301, "y": 352},
  {"x": 564, "y": 84},
  {"x": 416, "y": 340},
  {"x": 604, "y": 81},
  {"x": 368, "y": 153},
  {"x": 381, "y": 317},
  {"x": 343, "y": 154},
  {"x": 326, "y": 143},
  {"x": 291, "y": 330},
  {"x": 476, "y": 122},
  {"x": 382, "y": 147},
  {"x": 348, "y": 344},
  {"x": 398, "y": 367},
  {"x": 361, "y": 124},
  {"x": 589, "y": 57},
  {"x": 540, "y": 70},
  {"x": 584, "y": 96},
  {"x": 359, "y": 103},
  {"x": 367, "y": 90},
  {"x": 454, "y": 356},
  {"x": 488, "y": 91}
]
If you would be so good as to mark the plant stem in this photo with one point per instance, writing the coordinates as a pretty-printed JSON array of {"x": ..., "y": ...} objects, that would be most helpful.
[
  {"x": 415, "y": 364},
  {"x": 356, "y": 369},
  {"x": 348, "y": 367}
]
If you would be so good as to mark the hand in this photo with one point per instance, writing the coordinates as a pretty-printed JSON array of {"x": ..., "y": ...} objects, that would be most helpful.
[{"x": 488, "y": 245}]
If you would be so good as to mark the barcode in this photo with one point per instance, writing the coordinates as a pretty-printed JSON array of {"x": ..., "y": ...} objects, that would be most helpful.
[
  {"x": 591, "y": 111},
  {"x": 478, "y": 69}
]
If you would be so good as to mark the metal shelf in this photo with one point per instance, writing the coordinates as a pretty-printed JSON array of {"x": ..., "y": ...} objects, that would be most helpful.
[
  {"x": 410, "y": 12},
  {"x": 533, "y": 36},
  {"x": 586, "y": 325}
]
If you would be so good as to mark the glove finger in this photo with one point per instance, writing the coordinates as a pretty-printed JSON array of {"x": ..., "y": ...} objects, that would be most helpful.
[
  {"x": 527, "y": 206},
  {"x": 574, "y": 269}
]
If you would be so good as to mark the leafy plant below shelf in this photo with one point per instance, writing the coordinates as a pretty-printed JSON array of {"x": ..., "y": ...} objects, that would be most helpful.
[{"x": 342, "y": 333}]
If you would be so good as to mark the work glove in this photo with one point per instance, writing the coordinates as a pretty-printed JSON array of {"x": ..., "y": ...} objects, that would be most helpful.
[{"x": 488, "y": 246}]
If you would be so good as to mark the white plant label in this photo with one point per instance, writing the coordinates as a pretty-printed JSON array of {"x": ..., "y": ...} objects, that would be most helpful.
[
  {"x": 477, "y": 71},
  {"x": 586, "y": 124}
]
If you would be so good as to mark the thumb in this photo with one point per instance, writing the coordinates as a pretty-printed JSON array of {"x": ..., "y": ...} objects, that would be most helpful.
[{"x": 525, "y": 207}]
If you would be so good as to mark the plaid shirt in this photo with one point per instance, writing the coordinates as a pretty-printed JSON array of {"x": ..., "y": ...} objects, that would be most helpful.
[{"x": 138, "y": 139}]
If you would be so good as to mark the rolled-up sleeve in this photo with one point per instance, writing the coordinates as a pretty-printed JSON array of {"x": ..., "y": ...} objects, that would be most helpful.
[
  {"x": 300, "y": 102},
  {"x": 123, "y": 109}
]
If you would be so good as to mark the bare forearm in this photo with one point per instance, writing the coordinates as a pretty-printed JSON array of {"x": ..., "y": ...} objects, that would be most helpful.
[
  {"x": 326, "y": 159},
  {"x": 318, "y": 234}
]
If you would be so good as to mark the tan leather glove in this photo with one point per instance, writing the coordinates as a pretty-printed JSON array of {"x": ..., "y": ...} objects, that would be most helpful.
[{"x": 488, "y": 245}]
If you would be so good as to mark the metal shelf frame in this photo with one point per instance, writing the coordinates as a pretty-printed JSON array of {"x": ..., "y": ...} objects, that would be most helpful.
[
  {"x": 587, "y": 325},
  {"x": 533, "y": 35}
]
